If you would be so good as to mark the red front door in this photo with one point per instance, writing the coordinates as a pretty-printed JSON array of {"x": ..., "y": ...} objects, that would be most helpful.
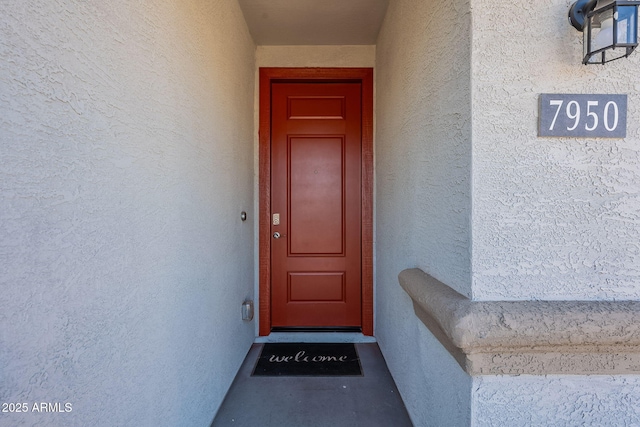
[{"x": 316, "y": 155}]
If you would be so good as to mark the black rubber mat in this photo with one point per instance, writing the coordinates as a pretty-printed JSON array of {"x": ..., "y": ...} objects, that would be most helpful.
[{"x": 308, "y": 359}]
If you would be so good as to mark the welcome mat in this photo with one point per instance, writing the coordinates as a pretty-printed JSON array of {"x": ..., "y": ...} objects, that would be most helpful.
[{"x": 308, "y": 359}]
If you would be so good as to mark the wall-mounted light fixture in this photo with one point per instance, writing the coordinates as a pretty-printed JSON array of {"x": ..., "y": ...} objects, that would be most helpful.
[
  {"x": 247, "y": 309},
  {"x": 610, "y": 28}
]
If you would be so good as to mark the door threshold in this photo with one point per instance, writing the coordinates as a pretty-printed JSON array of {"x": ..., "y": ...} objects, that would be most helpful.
[
  {"x": 329, "y": 337},
  {"x": 316, "y": 329}
]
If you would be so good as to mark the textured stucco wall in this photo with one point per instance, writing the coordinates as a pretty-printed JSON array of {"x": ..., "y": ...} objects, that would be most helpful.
[
  {"x": 126, "y": 152},
  {"x": 424, "y": 139},
  {"x": 423, "y": 194},
  {"x": 553, "y": 218},
  {"x": 556, "y": 400},
  {"x": 315, "y": 56}
]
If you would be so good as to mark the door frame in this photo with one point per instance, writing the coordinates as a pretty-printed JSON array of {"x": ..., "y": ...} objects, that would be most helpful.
[{"x": 267, "y": 76}]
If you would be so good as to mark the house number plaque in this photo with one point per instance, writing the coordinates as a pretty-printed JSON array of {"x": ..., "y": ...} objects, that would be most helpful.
[{"x": 594, "y": 116}]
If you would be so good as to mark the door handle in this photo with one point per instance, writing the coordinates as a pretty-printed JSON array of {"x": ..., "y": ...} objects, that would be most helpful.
[{"x": 276, "y": 235}]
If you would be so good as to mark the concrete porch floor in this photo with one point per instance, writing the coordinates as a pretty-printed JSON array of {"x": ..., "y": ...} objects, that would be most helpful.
[{"x": 370, "y": 400}]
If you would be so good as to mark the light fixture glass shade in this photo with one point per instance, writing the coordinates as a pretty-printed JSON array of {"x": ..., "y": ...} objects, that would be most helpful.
[
  {"x": 611, "y": 31},
  {"x": 602, "y": 31},
  {"x": 627, "y": 24}
]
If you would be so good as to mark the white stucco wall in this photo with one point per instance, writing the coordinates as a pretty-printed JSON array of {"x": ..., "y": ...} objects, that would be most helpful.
[
  {"x": 556, "y": 400},
  {"x": 423, "y": 195},
  {"x": 553, "y": 218},
  {"x": 316, "y": 56},
  {"x": 424, "y": 139},
  {"x": 126, "y": 157}
]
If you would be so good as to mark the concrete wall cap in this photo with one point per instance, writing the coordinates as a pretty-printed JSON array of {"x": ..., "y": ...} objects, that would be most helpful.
[{"x": 510, "y": 327}]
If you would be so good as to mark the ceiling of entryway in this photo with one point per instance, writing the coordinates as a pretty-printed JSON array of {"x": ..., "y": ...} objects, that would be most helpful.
[{"x": 314, "y": 22}]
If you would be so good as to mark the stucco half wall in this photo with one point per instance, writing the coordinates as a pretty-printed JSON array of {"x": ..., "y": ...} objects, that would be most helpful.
[
  {"x": 528, "y": 337},
  {"x": 559, "y": 356}
]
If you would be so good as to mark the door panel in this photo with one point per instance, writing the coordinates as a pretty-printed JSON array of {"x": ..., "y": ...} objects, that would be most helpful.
[
  {"x": 316, "y": 107},
  {"x": 316, "y": 190},
  {"x": 310, "y": 286},
  {"x": 316, "y": 196}
]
